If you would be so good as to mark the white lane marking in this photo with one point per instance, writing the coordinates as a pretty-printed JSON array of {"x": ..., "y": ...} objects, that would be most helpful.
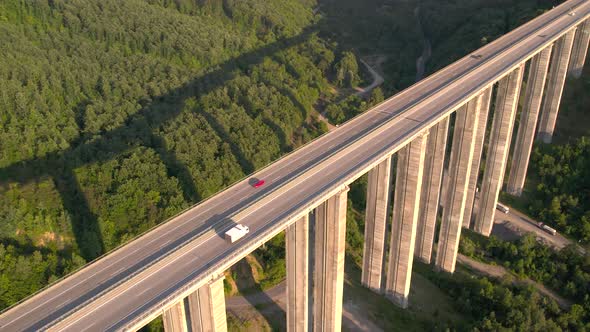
[
  {"x": 136, "y": 283},
  {"x": 119, "y": 270},
  {"x": 164, "y": 244},
  {"x": 59, "y": 293}
]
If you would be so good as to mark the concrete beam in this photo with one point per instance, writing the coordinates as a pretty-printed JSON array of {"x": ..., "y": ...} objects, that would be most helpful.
[
  {"x": 378, "y": 189},
  {"x": 430, "y": 192},
  {"x": 207, "y": 308},
  {"x": 480, "y": 134},
  {"x": 408, "y": 184},
  {"x": 528, "y": 121},
  {"x": 580, "y": 47},
  {"x": 330, "y": 242},
  {"x": 498, "y": 147},
  {"x": 557, "y": 72},
  {"x": 297, "y": 243},
  {"x": 174, "y": 318},
  {"x": 459, "y": 168}
]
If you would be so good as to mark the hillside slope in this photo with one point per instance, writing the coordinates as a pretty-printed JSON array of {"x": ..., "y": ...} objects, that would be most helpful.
[{"x": 115, "y": 115}]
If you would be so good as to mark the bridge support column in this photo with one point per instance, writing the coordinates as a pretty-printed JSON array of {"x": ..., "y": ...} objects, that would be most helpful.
[
  {"x": 557, "y": 72},
  {"x": 297, "y": 242},
  {"x": 174, "y": 318},
  {"x": 528, "y": 121},
  {"x": 576, "y": 65},
  {"x": 207, "y": 308},
  {"x": 498, "y": 147},
  {"x": 430, "y": 192},
  {"x": 330, "y": 236},
  {"x": 480, "y": 134},
  {"x": 459, "y": 169},
  {"x": 408, "y": 183},
  {"x": 378, "y": 188}
]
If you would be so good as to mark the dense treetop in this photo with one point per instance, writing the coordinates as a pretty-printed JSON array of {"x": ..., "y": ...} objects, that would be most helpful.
[{"x": 115, "y": 115}]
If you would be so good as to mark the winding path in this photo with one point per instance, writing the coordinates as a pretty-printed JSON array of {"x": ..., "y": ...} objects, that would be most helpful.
[{"x": 377, "y": 80}]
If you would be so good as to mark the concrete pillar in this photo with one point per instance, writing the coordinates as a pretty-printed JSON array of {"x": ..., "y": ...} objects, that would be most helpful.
[
  {"x": 557, "y": 72},
  {"x": 480, "y": 134},
  {"x": 459, "y": 169},
  {"x": 330, "y": 236},
  {"x": 528, "y": 121},
  {"x": 430, "y": 192},
  {"x": 297, "y": 242},
  {"x": 580, "y": 47},
  {"x": 174, "y": 318},
  {"x": 498, "y": 147},
  {"x": 378, "y": 188},
  {"x": 207, "y": 308},
  {"x": 408, "y": 183}
]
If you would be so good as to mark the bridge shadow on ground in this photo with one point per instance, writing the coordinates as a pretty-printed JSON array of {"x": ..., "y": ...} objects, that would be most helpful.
[
  {"x": 253, "y": 293},
  {"x": 138, "y": 130}
]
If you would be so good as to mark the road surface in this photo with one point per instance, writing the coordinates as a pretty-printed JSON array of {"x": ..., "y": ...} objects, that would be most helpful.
[
  {"x": 133, "y": 283},
  {"x": 523, "y": 224}
]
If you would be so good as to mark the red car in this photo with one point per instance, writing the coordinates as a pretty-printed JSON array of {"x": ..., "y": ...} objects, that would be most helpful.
[{"x": 259, "y": 184}]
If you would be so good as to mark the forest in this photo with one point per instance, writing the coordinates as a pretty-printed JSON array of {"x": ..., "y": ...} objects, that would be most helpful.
[
  {"x": 502, "y": 306},
  {"x": 560, "y": 175},
  {"x": 116, "y": 115},
  {"x": 566, "y": 271}
]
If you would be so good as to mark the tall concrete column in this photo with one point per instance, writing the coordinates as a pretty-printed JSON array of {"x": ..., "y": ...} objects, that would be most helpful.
[
  {"x": 480, "y": 134},
  {"x": 207, "y": 308},
  {"x": 459, "y": 169},
  {"x": 174, "y": 318},
  {"x": 408, "y": 183},
  {"x": 557, "y": 72},
  {"x": 430, "y": 192},
  {"x": 330, "y": 236},
  {"x": 498, "y": 147},
  {"x": 528, "y": 121},
  {"x": 580, "y": 47},
  {"x": 378, "y": 188},
  {"x": 297, "y": 242}
]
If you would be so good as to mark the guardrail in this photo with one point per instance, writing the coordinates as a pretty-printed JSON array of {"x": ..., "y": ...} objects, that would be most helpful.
[{"x": 279, "y": 226}]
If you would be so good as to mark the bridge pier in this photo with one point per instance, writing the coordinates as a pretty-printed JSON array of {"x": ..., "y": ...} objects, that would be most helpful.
[
  {"x": 528, "y": 121},
  {"x": 206, "y": 308},
  {"x": 330, "y": 236},
  {"x": 555, "y": 82},
  {"x": 174, "y": 318},
  {"x": 580, "y": 47},
  {"x": 408, "y": 183},
  {"x": 430, "y": 192},
  {"x": 466, "y": 121},
  {"x": 297, "y": 257},
  {"x": 480, "y": 134},
  {"x": 498, "y": 147},
  {"x": 376, "y": 212}
]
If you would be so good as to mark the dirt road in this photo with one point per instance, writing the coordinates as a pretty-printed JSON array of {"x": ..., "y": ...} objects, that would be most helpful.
[
  {"x": 352, "y": 318},
  {"x": 497, "y": 271}
]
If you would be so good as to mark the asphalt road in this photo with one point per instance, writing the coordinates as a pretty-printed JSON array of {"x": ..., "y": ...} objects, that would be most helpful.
[
  {"x": 525, "y": 224},
  {"x": 138, "y": 278}
]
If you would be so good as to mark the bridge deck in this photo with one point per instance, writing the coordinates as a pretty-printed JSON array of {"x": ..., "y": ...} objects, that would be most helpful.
[{"x": 130, "y": 285}]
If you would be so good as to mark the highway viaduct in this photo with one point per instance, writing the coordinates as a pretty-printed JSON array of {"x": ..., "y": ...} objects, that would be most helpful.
[{"x": 176, "y": 270}]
